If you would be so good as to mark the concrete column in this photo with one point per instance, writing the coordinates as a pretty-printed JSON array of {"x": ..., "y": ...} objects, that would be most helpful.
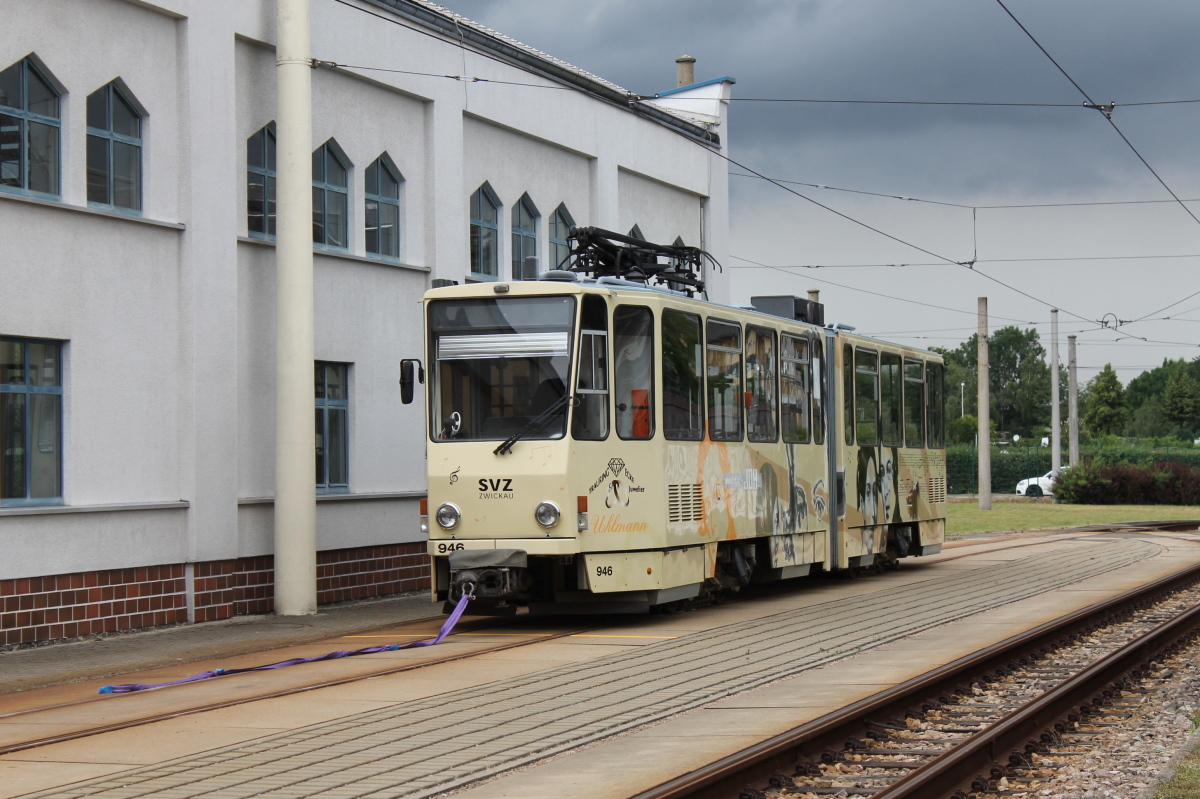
[
  {"x": 985, "y": 413},
  {"x": 295, "y": 456},
  {"x": 1072, "y": 403},
  {"x": 1055, "y": 421},
  {"x": 208, "y": 286}
]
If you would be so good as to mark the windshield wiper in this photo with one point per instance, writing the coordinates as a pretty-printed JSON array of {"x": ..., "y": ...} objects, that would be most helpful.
[{"x": 541, "y": 418}]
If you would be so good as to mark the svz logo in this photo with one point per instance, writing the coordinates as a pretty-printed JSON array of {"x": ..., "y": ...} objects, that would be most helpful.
[{"x": 497, "y": 488}]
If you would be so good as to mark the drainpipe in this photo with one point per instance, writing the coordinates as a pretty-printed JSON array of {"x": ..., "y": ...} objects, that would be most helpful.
[{"x": 295, "y": 445}]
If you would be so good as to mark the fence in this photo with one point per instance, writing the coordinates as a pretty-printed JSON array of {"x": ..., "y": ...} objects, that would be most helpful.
[{"x": 1012, "y": 464}]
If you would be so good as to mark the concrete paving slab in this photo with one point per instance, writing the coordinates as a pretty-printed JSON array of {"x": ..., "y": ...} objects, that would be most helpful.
[
  {"x": 20, "y": 778},
  {"x": 568, "y": 702},
  {"x": 154, "y": 743}
]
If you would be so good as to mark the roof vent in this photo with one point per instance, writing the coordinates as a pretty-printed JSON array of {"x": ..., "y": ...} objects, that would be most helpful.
[
  {"x": 685, "y": 70},
  {"x": 788, "y": 307},
  {"x": 561, "y": 275}
]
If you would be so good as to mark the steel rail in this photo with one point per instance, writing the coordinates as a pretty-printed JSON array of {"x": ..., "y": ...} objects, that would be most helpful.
[
  {"x": 725, "y": 777},
  {"x": 124, "y": 725},
  {"x": 957, "y": 767}
]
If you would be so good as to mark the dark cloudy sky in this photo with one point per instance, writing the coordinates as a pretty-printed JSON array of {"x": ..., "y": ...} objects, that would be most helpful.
[{"x": 937, "y": 50}]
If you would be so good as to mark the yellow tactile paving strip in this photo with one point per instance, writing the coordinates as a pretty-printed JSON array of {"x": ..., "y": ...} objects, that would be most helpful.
[{"x": 438, "y": 743}]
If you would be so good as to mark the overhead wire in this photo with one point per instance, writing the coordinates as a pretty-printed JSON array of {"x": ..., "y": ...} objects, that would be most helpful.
[
  {"x": 1105, "y": 110},
  {"x": 971, "y": 265},
  {"x": 875, "y": 293},
  {"x": 965, "y": 205}
]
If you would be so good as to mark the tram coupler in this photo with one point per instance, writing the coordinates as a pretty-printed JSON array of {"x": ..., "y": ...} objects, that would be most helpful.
[{"x": 493, "y": 577}]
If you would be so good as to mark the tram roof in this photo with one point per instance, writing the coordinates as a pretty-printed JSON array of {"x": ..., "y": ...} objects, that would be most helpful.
[{"x": 616, "y": 288}]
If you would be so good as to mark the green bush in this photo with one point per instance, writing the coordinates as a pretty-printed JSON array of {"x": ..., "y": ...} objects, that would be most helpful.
[
  {"x": 1093, "y": 483},
  {"x": 1012, "y": 464}
]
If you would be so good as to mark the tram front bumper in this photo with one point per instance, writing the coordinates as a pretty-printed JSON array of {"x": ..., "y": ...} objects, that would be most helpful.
[{"x": 490, "y": 574}]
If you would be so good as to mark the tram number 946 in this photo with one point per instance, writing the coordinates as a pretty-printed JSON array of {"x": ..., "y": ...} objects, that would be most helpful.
[
  {"x": 604, "y": 571},
  {"x": 452, "y": 547}
]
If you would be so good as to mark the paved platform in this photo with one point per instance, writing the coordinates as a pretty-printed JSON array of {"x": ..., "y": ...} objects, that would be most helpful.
[
  {"x": 103, "y": 657},
  {"x": 452, "y": 728}
]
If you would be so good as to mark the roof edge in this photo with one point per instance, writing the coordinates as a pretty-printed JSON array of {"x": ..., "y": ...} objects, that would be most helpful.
[
  {"x": 427, "y": 17},
  {"x": 725, "y": 79}
]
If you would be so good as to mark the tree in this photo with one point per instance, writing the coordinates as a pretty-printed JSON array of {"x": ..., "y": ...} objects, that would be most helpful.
[
  {"x": 963, "y": 430},
  {"x": 1106, "y": 411},
  {"x": 1181, "y": 400},
  {"x": 1019, "y": 378}
]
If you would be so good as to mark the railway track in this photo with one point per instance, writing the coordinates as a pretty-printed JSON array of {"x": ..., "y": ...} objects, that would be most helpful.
[
  {"x": 999, "y": 722},
  {"x": 479, "y": 626},
  {"x": 150, "y": 718}
]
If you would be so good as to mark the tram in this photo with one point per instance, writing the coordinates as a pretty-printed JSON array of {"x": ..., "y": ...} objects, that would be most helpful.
[{"x": 604, "y": 439}]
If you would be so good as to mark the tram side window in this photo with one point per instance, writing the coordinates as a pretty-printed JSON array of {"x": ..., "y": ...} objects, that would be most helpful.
[
  {"x": 633, "y": 353},
  {"x": 936, "y": 392},
  {"x": 724, "y": 381},
  {"x": 866, "y": 397},
  {"x": 760, "y": 384},
  {"x": 591, "y": 386},
  {"x": 848, "y": 392},
  {"x": 891, "y": 433},
  {"x": 793, "y": 389},
  {"x": 914, "y": 403},
  {"x": 683, "y": 374},
  {"x": 818, "y": 390}
]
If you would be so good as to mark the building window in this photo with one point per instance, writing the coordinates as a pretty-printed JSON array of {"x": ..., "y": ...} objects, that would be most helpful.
[
  {"x": 383, "y": 208},
  {"x": 524, "y": 240},
  {"x": 560, "y": 234},
  {"x": 333, "y": 442},
  {"x": 29, "y": 130},
  {"x": 485, "y": 233},
  {"x": 331, "y": 196},
  {"x": 30, "y": 422},
  {"x": 114, "y": 149},
  {"x": 260, "y": 183}
]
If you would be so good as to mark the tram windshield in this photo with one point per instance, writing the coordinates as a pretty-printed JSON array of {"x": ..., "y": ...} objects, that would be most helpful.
[{"x": 500, "y": 363}]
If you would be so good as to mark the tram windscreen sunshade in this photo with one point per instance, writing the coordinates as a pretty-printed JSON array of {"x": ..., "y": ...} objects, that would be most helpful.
[{"x": 499, "y": 364}]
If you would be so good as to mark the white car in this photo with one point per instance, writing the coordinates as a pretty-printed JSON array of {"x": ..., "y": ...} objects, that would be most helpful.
[{"x": 1037, "y": 486}]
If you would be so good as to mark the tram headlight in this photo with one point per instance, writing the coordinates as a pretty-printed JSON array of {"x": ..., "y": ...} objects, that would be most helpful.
[
  {"x": 448, "y": 516},
  {"x": 547, "y": 514}
]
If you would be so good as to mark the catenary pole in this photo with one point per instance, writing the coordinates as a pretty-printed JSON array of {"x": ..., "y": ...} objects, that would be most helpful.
[
  {"x": 1072, "y": 403},
  {"x": 985, "y": 412},
  {"x": 1055, "y": 413},
  {"x": 295, "y": 446}
]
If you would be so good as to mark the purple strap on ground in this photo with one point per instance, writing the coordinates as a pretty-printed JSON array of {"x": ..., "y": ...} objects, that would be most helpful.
[{"x": 447, "y": 626}]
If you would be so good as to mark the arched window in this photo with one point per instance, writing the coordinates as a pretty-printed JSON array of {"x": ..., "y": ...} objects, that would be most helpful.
[
  {"x": 331, "y": 196},
  {"x": 485, "y": 234},
  {"x": 29, "y": 129},
  {"x": 524, "y": 240},
  {"x": 260, "y": 183},
  {"x": 383, "y": 207},
  {"x": 114, "y": 148},
  {"x": 635, "y": 232},
  {"x": 560, "y": 230}
]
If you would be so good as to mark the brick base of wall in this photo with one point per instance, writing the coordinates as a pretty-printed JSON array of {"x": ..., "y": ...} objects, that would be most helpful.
[{"x": 37, "y": 609}]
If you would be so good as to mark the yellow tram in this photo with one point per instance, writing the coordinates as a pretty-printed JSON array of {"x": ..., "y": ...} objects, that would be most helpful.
[{"x": 600, "y": 443}]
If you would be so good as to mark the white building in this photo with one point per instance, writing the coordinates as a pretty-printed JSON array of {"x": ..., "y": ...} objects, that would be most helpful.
[{"x": 136, "y": 314}]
